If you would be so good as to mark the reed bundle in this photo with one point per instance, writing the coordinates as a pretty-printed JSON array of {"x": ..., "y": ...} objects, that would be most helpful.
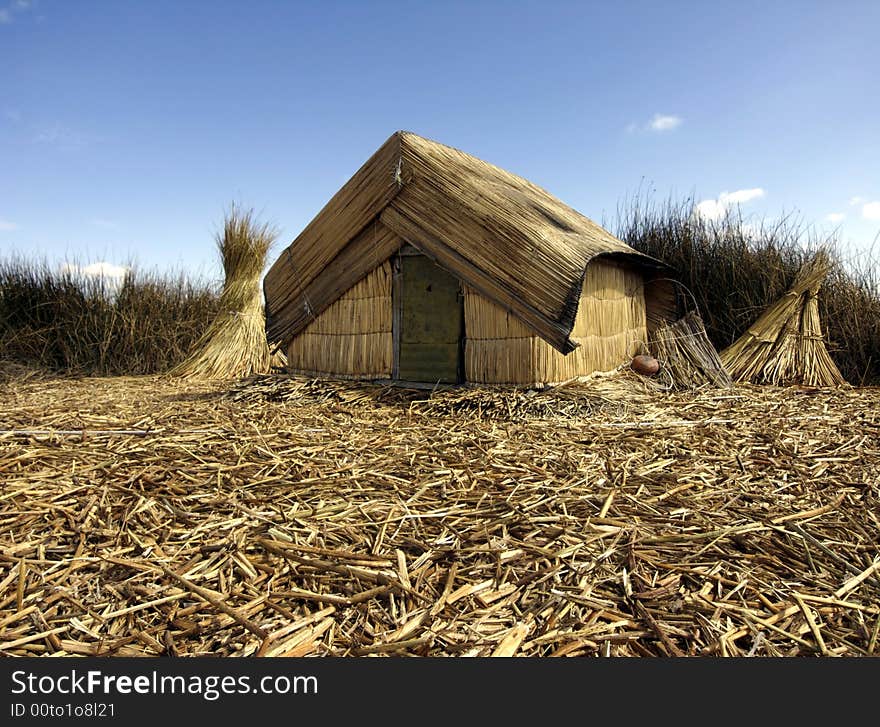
[
  {"x": 686, "y": 355},
  {"x": 234, "y": 343},
  {"x": 294, "y": 516},
  {"x": 785, "y": 345}
]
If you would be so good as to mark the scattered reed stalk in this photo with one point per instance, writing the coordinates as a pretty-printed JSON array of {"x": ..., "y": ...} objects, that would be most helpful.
[{"x": 306, "y": 517}]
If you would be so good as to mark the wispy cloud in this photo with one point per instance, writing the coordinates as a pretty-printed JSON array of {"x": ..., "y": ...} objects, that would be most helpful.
[
  {"x": 853, "y": 201},
  {"x": 62, "y": 136},
  {"x": 715, "y": 209},
  {"x": 658, "y": 124},
  {"x": 664, "y": 122},
  {"x": 871, "y": 211},
  {"x": 835, "y": 217},
  {"x": 104, "y": 223},
  {"x": 7, "y": 226},
  {"x": 741, "y": 196},
  {"x": 7, "y": 14}
]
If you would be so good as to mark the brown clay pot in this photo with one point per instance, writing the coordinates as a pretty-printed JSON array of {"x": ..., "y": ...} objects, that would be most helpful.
[{"x": 645, "y": 365}]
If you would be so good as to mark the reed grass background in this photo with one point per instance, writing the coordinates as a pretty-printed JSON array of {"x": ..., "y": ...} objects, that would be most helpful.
[
  {"x": 62, "y": 321},
  {"x": 736, "y": 267}
]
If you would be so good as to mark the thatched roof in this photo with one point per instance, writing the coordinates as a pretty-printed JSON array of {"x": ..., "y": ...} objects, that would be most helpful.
[{"x": 499, "y": 233}]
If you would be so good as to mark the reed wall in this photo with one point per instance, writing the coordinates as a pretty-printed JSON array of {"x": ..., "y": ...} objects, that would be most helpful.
[
  {"x": 352, "y": 337},
  {"x": 610, "y": 327}
]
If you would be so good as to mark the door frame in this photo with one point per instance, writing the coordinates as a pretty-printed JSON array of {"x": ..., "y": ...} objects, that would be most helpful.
[{"x": 409, "y": 250}]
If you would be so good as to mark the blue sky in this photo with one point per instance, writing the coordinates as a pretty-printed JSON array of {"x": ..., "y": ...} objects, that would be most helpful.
[{"x": 127, "y": 128}]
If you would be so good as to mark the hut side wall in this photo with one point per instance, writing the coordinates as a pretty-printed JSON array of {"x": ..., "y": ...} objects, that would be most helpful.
[
  {"x": 352, "y": 338},
  {"x": 661, "y": 303},
  {"x": 610, "y": 325}
]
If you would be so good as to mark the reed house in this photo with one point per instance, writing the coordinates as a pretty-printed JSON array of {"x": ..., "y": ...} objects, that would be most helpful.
[{"x": 431, "y": 265}]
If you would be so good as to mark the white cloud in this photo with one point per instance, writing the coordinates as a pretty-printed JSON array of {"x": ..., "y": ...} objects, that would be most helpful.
[
  {"x": 715, "y": 209},
  {"x": 710, "y": 209},
  {"x": 855, "y": 200},
  {"x": 6, "y": 226},
  {"x": 741, "y": 196},
  {"x": 110, "y": 272},
  {"x": 101, "y": 222},
  {"x": 835, "y": 217},
  {"x": 104, "y": 270},
  {"x": 871, "y": 211},
  {"x": 662, "y": 122},
  {"x": 659, "y": 123}
]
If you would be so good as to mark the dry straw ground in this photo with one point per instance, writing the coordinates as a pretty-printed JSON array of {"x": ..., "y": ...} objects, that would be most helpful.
[{"x": 147, "y": 516}]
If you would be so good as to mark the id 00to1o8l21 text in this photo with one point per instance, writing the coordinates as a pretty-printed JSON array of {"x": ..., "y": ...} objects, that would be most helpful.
[{"x": 46, "y": 709}]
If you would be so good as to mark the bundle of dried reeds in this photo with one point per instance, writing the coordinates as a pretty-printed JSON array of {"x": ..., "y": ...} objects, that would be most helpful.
[
  {"x": 234, "y": 344},
  {"x": 785, "y": 345},
  {"x": 687, "y": 357}
]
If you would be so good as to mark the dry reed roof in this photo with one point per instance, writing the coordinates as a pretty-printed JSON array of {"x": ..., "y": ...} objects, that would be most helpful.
[{"x": 499, "y": 233}]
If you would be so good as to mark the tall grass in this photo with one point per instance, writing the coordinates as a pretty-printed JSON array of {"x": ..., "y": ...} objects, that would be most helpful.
[
  {"x": 61, "y": 320},
  {"x": 735, "y": 269}
]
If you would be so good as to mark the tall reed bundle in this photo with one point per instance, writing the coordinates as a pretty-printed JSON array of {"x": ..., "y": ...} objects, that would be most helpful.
[
  {"x": 687, "y": 357},
  {"x": 234, "y": 344},
  {"x": 785, "y": 345}
]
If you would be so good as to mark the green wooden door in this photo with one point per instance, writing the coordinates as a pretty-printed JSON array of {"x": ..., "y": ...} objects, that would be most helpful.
[{"x": 429, "y": 315}]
